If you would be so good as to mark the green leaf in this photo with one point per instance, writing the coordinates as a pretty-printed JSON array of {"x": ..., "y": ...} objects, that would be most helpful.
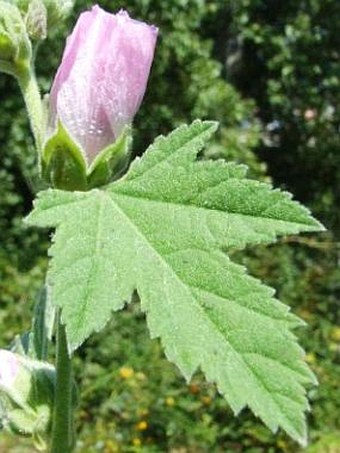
[
  {"x": 34, "y": 343},
  {"x": 42, "y": 326},
  {"x": 163, "y": 230}
]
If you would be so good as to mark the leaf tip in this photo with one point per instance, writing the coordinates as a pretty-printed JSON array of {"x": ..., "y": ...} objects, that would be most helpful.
[{"x": 213, "y": 125}]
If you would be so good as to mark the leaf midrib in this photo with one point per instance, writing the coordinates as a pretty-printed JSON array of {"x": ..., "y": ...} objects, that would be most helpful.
[
  {"x": 192, "y": 205},
  {"x": 215, "y": 327}
]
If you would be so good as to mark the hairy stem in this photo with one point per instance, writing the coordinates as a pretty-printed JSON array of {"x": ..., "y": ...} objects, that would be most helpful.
[
  {"x": 30, "y": 90},
  {"x": 62, "y": 423}
]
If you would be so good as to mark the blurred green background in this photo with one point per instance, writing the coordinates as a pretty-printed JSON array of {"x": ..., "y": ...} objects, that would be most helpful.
[{"x": 269, "y": 72}]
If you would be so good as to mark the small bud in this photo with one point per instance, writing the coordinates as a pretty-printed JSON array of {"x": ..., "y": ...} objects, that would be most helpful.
[
  {"x": 15, "y": 47},
  {"x": 56, "y": 10},
  {"x": 26, "y": 394},
  {"x": 36, "y": 20}
]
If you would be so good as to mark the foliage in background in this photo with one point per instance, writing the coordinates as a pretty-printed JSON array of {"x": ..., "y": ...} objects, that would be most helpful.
[
  {"x": 291, "y": 50},
  {"x": 285, "y": 56}
]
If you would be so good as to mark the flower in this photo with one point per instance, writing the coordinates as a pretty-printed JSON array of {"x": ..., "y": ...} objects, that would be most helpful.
[
  {"x": 142, "y": 425},
  {"x": 126, "y": 372},
  {"x": 136, "y": 442},
  {"x": 9, "y": 368},
  {"x": 170, "y": 401},
  {"x": 102, "y": 78}
]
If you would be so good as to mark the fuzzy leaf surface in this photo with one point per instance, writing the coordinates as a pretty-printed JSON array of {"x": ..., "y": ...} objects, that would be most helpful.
[{"x": 163, "y": 229}]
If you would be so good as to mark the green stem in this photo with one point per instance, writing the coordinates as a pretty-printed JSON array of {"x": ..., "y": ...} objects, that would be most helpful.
[
  {"x": 62, "y": 423},
  {"x": 30, "y": 90}
]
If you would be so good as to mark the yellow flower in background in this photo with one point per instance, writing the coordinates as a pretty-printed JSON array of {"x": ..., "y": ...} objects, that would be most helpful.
[
  {"x": 310, "y": 358},
  {"x": 170, "y": 401},
  {"x": 142, "y": 425},
  {"x": 126, "y": 372},
  {"x": 111, "y": 447},
  {"x": 136, "y": 442}
]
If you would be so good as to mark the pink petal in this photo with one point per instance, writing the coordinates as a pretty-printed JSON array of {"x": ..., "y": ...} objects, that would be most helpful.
[{"x": 9, "y": 368}]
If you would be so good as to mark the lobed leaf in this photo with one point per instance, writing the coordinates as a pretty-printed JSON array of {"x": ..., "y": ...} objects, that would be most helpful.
[{"x": 163, "y": 230}]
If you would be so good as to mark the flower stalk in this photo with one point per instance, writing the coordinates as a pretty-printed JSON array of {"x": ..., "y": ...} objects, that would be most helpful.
[{"x": 31, "y": 94}]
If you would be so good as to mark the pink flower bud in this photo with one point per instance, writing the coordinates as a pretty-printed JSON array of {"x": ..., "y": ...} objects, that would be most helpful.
[
  {"x": 9, "y": 368},
  {"x": 102, "y": 78}
]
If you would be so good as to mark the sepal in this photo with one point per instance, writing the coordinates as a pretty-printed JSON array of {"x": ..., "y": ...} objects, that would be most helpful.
[
  {"x": 62, "y": 162},
  {"x": 64, "y": 165},
  {"x": 111, "y": 162}
]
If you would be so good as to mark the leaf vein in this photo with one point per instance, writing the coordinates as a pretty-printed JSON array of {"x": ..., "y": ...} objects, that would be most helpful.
[{"x": 204, "y": 313}]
